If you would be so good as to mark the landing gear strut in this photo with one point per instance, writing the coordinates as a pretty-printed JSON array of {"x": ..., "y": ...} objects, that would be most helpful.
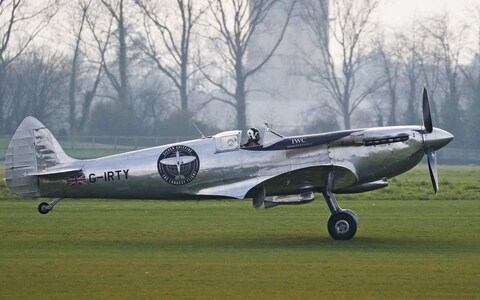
[
  {"x": 342, "y": 223},
  {"x": 44, "y": 208}
]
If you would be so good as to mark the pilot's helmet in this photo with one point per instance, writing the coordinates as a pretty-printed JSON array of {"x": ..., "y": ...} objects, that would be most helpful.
[{"x": 252, "y": 132}]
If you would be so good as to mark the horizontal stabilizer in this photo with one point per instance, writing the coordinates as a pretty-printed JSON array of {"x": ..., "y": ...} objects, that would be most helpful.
[{"x": 54, "y": 171}]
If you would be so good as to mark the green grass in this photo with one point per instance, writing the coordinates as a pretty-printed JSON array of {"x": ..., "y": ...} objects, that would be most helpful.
[
  {"x": 109, "y": 249},
  {"x": 456, "y": 183}
]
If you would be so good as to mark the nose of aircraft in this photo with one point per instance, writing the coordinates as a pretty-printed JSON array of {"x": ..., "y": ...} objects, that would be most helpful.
[{"x": 438, "y": 138}]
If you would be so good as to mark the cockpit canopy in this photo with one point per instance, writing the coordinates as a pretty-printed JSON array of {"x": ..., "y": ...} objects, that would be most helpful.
[{"x": 228, "y": 140}]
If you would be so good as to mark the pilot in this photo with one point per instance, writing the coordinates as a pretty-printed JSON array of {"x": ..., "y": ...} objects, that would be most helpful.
[{"x": 253, "y": 138}]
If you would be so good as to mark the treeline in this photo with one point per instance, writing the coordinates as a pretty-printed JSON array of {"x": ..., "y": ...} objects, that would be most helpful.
[{"x": 146, "y": 67}]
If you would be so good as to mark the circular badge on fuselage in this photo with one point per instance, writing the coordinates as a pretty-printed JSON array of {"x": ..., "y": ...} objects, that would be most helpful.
[{"x": 178, "y": 165}]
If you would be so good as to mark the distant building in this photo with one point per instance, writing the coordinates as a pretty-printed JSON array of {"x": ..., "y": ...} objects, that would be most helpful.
[{"x": 280, "y": 92}]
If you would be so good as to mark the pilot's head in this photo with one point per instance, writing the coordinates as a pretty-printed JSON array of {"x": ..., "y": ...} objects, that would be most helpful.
[{"x": 253, "y": 134}]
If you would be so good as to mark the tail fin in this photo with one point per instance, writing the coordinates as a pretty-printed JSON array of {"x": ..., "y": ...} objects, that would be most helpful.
[{"x": 32, "y": 151}]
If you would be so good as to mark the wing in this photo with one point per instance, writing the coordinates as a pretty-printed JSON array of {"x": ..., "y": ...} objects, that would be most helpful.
[
  {"x": 298, "y": 181},
  {"x": 309, "y": 179},
  {"x": 237, "y": 189}
]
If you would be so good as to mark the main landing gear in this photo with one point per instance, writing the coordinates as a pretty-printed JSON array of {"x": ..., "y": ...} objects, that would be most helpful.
[
  {"x": 342, "y": 223},
  {"x": 44, "y": 208}
]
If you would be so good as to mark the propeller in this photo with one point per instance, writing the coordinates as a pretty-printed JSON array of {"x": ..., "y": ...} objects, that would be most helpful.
[
  {"x": 427, "y": 117},
  {"x": 429, "y": 150},
  {"x": 432, "y": 167}
]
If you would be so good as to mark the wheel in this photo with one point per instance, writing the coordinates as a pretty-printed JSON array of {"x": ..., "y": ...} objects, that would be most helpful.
[
  {"x": 342, "y": 225},
  {"x": 42, "y": 208}
]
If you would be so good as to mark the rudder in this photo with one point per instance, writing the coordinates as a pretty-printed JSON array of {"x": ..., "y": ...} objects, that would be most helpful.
[{"x": 32, "y": 149}]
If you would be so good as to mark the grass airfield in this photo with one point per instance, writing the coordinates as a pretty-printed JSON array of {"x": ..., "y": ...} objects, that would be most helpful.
[{"x": 109, "y": 249}]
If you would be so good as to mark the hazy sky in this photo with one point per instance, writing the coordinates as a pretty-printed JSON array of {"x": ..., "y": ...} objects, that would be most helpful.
[{"x": 398, "y": 13}]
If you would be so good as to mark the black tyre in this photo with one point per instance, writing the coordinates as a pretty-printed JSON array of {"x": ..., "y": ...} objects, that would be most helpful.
[
  {"x": 42, "y": 208},
  {"x": 342, "y": 226}
]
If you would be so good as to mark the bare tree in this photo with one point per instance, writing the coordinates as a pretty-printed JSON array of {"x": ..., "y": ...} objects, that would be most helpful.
[
  {"x": 472, "y": 81},
  {"x": 390, "y": 58},
  {"x": 338, "y": 73},
  {"x": 108, "y": 27},
  {"x": 411, "y": 71},
  {"x": 151, "y": 102},
  {"x": 447, "y": 50},
  {"x": 234, "y": 27},
  {"x": 86, "y": 65},
  {"x": 78, "y": 26},
  {"x": 471, "y": 73},
  {"x": 172, "y": 56},
  {"x": 36, "y": 85},
  {"x": 89, "y": 95},
  {"x": 20, "y": 24}
]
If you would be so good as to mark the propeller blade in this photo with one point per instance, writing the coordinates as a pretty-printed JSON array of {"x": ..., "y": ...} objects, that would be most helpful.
[
  {"x": 427, "y": 117},
  {"x": 432, "y": 167}
]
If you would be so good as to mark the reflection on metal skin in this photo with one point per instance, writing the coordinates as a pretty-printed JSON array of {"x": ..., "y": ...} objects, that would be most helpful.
[
  {"x": 217, "y": 167},
  {"x": 438, "y": 138}
]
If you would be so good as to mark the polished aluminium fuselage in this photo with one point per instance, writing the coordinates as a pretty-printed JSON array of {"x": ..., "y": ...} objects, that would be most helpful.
[{"x": 370, "y": 154}]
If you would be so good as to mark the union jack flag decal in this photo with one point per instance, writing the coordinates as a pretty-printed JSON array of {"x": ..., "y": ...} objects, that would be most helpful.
[{"x": 76, "y": 180}]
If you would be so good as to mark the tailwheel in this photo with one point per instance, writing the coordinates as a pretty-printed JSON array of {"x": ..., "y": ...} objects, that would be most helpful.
[
  {"x": 43, "y": 208},
  {"x": 342, "y": 225}
]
